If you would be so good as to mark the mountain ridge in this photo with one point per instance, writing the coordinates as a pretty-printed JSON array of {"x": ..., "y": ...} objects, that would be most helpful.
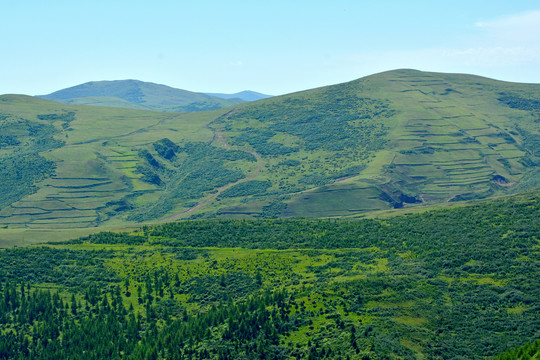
[
  {"x": 246, "y": 95},
  {"x": 139, "y": 95},
  {"x": 396, "y": 139}
]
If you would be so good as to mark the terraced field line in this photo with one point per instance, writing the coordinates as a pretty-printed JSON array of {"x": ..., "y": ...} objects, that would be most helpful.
[{"x": 219, "y": 140}]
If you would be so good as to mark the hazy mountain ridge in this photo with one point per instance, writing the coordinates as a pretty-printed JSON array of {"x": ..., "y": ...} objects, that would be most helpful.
[
  {"x": 245, "y": 95},
  {"x": 397, "y": 139},
  {"x": 138, "y": 95}
]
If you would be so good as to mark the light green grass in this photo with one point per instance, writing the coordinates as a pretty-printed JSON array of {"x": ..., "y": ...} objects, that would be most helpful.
[
  {"x": 438, "y": 145},
  {"x": 25, "y": 237}
]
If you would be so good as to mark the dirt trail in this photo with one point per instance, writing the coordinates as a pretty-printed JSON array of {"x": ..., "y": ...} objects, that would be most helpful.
[{"x": 220, "y": 141}]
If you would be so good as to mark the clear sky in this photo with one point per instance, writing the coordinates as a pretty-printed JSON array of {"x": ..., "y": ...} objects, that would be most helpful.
[{"x": 270, "y": 46}]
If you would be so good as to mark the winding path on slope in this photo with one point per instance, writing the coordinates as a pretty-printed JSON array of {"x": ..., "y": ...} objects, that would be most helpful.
[{"x": 220, "y": 141}]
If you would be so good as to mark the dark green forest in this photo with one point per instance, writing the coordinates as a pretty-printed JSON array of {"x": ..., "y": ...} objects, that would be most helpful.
[
  {"x": 454, "y": 283},
  {"x": 525, "y": 351}
]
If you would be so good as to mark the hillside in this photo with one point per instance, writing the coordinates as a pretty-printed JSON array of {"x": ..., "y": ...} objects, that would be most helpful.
[
  {"x": 403, "y": 138},
  {"x": 458, "y": 283},
  {"x": 134, "y": 94}
]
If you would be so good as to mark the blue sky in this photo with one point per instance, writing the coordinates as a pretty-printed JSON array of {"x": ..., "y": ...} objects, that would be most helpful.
[{"x": 270, "y": 46}]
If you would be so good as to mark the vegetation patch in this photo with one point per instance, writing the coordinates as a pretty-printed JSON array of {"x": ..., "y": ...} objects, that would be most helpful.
[
  {"x": 253, "y": 187},
  {"x": 22, "y": 166},
  {"x": 198, "y": 168},
  {"x": 402, "y": 287},
  {"x": 519, "y": 102}
]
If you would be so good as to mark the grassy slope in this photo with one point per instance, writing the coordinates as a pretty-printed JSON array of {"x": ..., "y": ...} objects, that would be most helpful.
[
  {"x": 344, "y": 150},
  {"x": 107, "y": 101},
  {"x": 457, "y": 134},
  {"x": 448, "y": 138},
  {"x": 96, "y": 166}
]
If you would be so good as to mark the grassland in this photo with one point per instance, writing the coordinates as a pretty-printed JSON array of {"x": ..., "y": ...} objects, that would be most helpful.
[
  {"x": 408, "y": 138},
  {"x": 95, "y": 168},
  {"x": 398, "y": 139},
  {"x": 446, "y": 145}
]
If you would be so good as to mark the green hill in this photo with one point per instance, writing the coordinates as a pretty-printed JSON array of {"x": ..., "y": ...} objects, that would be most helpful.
[
  {"x": 134, "y": 94},
  {"x": 391, "y": 139},
  {"x": 403, "y": 138}
]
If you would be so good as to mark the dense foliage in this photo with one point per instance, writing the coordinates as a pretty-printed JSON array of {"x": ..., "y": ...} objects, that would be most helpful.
[
  {"x": 101, "y": 327},
  {"x": 492, "y": 225},
  {"x": 528, "y": 351},
  {"x": 453, "y": 283},
  {"x": 516, "y": 101},
  {"x": 253, "y": 187},
  {"x": 337, "y": 120}
]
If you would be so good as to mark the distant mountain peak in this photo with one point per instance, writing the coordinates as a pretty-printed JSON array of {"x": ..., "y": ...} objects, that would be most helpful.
[
  {"x": 142, "y": 95},
  {"x": 246, "y": 95}
]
